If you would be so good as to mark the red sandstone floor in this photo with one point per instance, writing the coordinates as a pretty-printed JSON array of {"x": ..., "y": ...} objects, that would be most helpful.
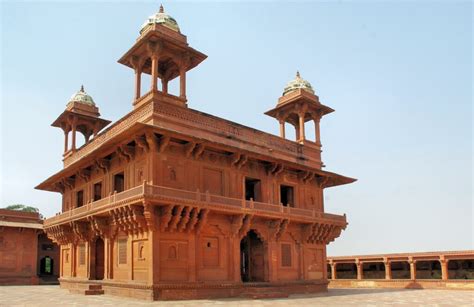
[{"x": 54, "y": 296}]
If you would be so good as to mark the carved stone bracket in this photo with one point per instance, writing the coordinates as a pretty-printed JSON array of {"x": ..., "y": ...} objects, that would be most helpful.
[
  {"x": 152, "y": 141},
  {"x": 82, "y": 230},
  {"x": 130, "y": 219},
  {"x": 236, "y": 224},
  {"x": 164, "y": 142},
  {"x": 60, "y": 234},
  {"x": 199, "y": 150},
  {"x": 321, "y": 233},
  {"x": 247, "y": 223},
  {"x": 306, "y": 176},
  {"x": 238, "y": 160},
  {"x": 102, "y": 164},
  {"x": 189, "y": 148},
  {"x": 322, "y": 182},
  {"x": 84, "y": 174},
  {"x": 141, "y": 142},
  {"x": 68, "y": 182},
  {"x": 100, "y": 226},
  {"x": 275, "y": 169}
]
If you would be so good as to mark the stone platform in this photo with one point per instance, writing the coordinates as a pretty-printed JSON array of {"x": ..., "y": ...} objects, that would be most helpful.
[{"x": 54, "y": 296}]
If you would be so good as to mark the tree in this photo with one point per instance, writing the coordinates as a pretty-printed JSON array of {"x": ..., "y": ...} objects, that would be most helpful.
[{"x": 25, "y": 208}]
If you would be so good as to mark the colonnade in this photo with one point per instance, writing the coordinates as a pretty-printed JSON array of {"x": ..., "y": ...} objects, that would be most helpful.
[{"x": 387, "y": 265}]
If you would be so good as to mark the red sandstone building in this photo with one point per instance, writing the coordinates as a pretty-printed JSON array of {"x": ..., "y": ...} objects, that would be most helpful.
[
  {"x": 27, "y": 256},
  {"x": 451, "y": 270},
  {"x": 173, "y": 203}
]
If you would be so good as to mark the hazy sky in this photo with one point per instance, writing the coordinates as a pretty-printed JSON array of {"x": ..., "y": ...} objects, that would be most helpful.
[{"x": 399, "y": 76}]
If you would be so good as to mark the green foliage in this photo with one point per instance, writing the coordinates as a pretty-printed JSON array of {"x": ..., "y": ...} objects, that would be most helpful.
[
  {"x": 25, "y": 208},
  {"x": 19, "y": 207}
]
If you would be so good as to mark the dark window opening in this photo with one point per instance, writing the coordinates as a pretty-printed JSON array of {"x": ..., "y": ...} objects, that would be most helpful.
[
  {"x": 47, "y": 247},
  {"x": 119, "y": 182},
  {"x": 80, "y": 198},
  {"x": 97, "y": 191},
  {"x": 252, "y": 189},
  {"x": 285, "y": 255},
  {"x": 287, "y": 196}
]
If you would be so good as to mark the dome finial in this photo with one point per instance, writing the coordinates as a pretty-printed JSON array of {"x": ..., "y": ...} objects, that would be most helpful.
[
  {"x": 82, "y": 87},
  {"x": 298, "y": 74},
  {"x": 162, "y": 10}
]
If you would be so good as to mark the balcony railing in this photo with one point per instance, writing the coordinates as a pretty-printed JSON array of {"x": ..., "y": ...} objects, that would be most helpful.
[{"x": 212, "y": 201}]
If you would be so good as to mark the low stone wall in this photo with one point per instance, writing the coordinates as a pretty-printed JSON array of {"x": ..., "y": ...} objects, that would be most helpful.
[
  {"x": 198, "y": 290},
  {"x": 459, "y": 284}
]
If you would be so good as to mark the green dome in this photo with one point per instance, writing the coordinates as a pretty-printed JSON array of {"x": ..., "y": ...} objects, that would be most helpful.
[
  {"x": 82, "y": 97},
  {"x": 161, "y": 18},
  {"x": 298, "y": 83}
]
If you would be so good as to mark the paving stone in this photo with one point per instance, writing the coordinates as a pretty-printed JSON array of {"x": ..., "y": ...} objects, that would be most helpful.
[{"x": 50, "y": 296}]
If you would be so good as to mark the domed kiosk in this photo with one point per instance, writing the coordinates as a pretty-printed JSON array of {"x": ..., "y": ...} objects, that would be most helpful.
[
  {"x": 297, "y": 105},
  {"x": 81, "y": 115}
]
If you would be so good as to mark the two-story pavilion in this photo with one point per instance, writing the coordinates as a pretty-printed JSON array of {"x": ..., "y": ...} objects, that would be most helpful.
[{"x": 173, "y": 203}]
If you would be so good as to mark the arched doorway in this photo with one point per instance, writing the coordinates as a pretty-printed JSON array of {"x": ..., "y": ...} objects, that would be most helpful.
[
  {"x": 99, "y": 259},
  {"x": 46, "y": 266},
  {"x": 253, "y": 260}
]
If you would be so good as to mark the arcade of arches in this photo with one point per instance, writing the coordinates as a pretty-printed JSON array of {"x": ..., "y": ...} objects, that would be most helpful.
[{"x": 455, "y": 266}]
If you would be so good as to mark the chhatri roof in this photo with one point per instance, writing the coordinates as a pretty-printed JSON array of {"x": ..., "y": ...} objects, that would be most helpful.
[
  {"x": 82, "y": 97},
  {"x": 161, "y": 18},
  {"x": 298, "y": 83}
]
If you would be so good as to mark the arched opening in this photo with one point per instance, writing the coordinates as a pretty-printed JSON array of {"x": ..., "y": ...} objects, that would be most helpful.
[
  {"x": 99, "y": 259},
  {"x": 46, "y": 266},
  {"x": 461, "y": 269},
  {"x": 253, "y": 260},
  {"x": 400, "y": 270},
  {"x": 346, "y": 271},
  {"x": 428, "y": 269},
  {"x": 374, "y": 270}
]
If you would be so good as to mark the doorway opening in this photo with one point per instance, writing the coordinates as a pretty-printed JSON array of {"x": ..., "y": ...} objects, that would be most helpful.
[
  {"x": 99, "y": 259},
  {"x": 46, "y": 266},
  {"x": 252, "y": 258},
  {"x": 252, "y": 189}
]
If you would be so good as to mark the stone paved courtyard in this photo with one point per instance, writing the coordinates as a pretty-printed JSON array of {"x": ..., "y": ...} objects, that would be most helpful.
[{"x": 54, "y": 296}]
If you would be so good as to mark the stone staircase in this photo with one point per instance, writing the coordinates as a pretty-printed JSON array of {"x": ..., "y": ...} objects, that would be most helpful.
[
  {"x": 90, "y": 289},
  {"x": 262, "y": 292}
]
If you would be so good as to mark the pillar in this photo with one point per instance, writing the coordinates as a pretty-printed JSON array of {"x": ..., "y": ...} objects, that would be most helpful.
[
  {"x": 412, "y": 269},
  {"x": 164, "y": 86},
  {"x": 360, "y": 273},
  {"x": 333, "y": 271},
  {"x": 301, "y": 126},
  {"x": 388, "y": 270},
  {"x": 138, "y": 82},
  {"x": 73, "y": 146},
  {"x": 317, "y": 132},
  {"x": 444, "y": 269},
  {"x": 182, "y": 83},
  {"x": 66, "y": 140},
  {"x": 108, "y": 256},
  {"x": 297, "y": 131},
  {"x": 282, "y": 128},
  {"x": 154, "y": 72}
]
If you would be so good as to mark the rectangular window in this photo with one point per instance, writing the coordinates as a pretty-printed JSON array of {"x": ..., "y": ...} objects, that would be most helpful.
[
  {"x": 82, "y": 254},
  {"x": 285, "y": 255},
  {"x": 47, "y": 247},
  {"x": 97, "y": 191},
  {"x": 122, "y": 251},
  {"x": 119, "y": 182},
  {"x": 80, "y": 198},
  {"x": 287, "y": 196},
  {"x": 253, "y": 189}
]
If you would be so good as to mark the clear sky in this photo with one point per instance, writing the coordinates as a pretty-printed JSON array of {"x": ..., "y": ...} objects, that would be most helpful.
[{"x": 399, "y": 76}]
